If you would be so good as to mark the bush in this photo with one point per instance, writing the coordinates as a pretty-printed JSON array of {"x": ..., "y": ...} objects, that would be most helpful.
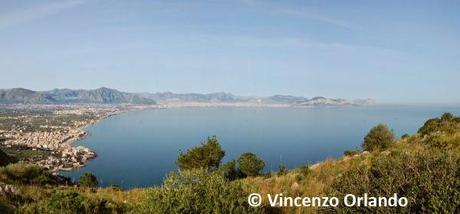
[
  {"x": 229, "y": 171},
  {"x": 429, "y": 180},
  {"x": 208, "y": 156},
  {"x": 379, "y": 137},
  {"x": 446, "y": 124},
  {"x": 5, "y": 207},
  {"x": 305, "y": 170},
  {"x": 88, "y": 180},
  {"x": 197, "y": 191},
  {"x": 250, "y": 165},
  {"x": 72, "y": 202},
  {"x": 350, "y": 152},
  {"x": 282, "y": 170},
  {"x": 447, "y": 116},
  {"x": 5, "y": 159},
  {"x": 30, "y": 175},
  {"x": 405, "y": 136}
]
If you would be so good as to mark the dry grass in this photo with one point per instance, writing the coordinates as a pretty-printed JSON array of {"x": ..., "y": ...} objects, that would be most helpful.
[
  {"x": 299, "y": 183},
  {"x": 322, "y": 174}
]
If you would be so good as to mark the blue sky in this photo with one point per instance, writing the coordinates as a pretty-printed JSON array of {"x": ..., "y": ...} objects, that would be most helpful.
[{"x": 392, "y": 51}]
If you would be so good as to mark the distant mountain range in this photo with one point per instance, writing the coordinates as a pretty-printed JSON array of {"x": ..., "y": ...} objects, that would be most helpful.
[
  {"x": 222, "y": 97},
  {"x": 112, "y": 96},
  {"x": 69, "y": 96}
]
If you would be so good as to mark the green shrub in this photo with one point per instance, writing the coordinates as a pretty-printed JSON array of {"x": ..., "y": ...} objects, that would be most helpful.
[
  {"x": 350, "y": 152},
  {"x": 282, "y": 170},
  {"x": 268, "y": 175},
  {"x": 6, "y": 159},
  {"x": 29, "y": 174},
  {"x": 197, "y": 191},
  {"x": 250, "y": 165},
  {"x": 208, "y": 156},
  {"x": 72, "y": 202},
  {"x": 88, "y": 180},
  {"x": 405, "y": 136},
  {"x": 5, "y": 207},
  {"x": 446, "y": 124},
  {"x": 305, "y": 170},
  {"x": 379, "y": 137},
  {"x": 429, "y": 180},
  {"x": 229, "y": 170}
]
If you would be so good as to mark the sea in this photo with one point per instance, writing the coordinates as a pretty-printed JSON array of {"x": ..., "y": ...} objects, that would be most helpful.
[{"x": 139, "y": 148}]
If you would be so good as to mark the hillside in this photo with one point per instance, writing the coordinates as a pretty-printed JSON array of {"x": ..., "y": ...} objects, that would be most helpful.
[{"x": 424, "y": 167}]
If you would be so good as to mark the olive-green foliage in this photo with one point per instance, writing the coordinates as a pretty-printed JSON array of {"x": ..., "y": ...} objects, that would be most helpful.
[
  {"x": 282, "y": 170},
  {"x": 350, "y": 152},
  {"x": 29, "y": 174},
  {"x": 72, "y": 202},
  {"x": 429, "y": 180},
  {"x": 197, "y": 191},
  {"x": 208, "y": 156},
  {"x": 5, "y": 207},
  {"x": 229, "y": 170},
  {"x": 88, "y": 180},
  {"x": 22, "y": 153},
  {"x": 250, "y": 165},
  {"x": 379, "y": 137},
  {"x": 405, "y": 136},
  {"x": 5, "y": 159},
  {"x": 446, "y": 124},
  {"x": 305, "y": 170}
]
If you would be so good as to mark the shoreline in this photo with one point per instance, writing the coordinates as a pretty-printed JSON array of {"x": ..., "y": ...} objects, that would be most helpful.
[
  {"x": 59, "y": 141},
  {"x": 46, "y": 134},
  {"x": 86, "y": 134}
]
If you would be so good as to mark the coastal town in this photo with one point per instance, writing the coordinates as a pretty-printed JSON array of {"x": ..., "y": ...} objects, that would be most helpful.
[{"x": 44, "y": 135}]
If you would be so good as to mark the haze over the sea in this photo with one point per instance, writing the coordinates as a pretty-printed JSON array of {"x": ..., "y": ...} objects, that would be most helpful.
[{"x": 391, "y": 51}]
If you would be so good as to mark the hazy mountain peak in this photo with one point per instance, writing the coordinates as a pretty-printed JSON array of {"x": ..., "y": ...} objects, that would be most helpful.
[
  {"x": 101, "y": 95},
  {"x": 104, "y": 95}
]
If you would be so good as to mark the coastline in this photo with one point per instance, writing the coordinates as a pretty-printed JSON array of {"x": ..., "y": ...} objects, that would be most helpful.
[
  {"x": 45, "y": 134},
  {"x": 58, "y": 140},
  {"x": 85, "y": 134}
]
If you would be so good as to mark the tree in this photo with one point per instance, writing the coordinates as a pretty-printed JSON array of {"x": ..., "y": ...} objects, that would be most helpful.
[
  {"x": 379, "y": 137},
  {"x": 229, "y": 171},
  {"x": 447, "y": 116},
  {"x": 88, "y": 180},
  {"x": 405, "y": 136},
  {"x": 250, "y": 165},
  {"x": 208, "y": 156}
]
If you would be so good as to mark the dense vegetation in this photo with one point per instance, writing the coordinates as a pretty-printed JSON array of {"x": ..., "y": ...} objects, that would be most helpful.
[
  {"x": 424, "y": 167},
  {"x": 197, "y": 191},
  {"x": 88, "y": 180},
  {"x": 6, "y": 159},
  {"x": 27, "y": 174},
  {"x": 380, "y": 137},
  {"x": 250, "y": 165},
  {"x": 208, "y": 156}
]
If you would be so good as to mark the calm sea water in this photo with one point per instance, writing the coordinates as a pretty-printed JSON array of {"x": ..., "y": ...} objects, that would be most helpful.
[{"x": 138, "y": 149}]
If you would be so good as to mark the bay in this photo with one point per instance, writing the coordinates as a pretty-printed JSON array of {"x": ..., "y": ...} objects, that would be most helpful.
[{"x": 138, "y": 149}]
